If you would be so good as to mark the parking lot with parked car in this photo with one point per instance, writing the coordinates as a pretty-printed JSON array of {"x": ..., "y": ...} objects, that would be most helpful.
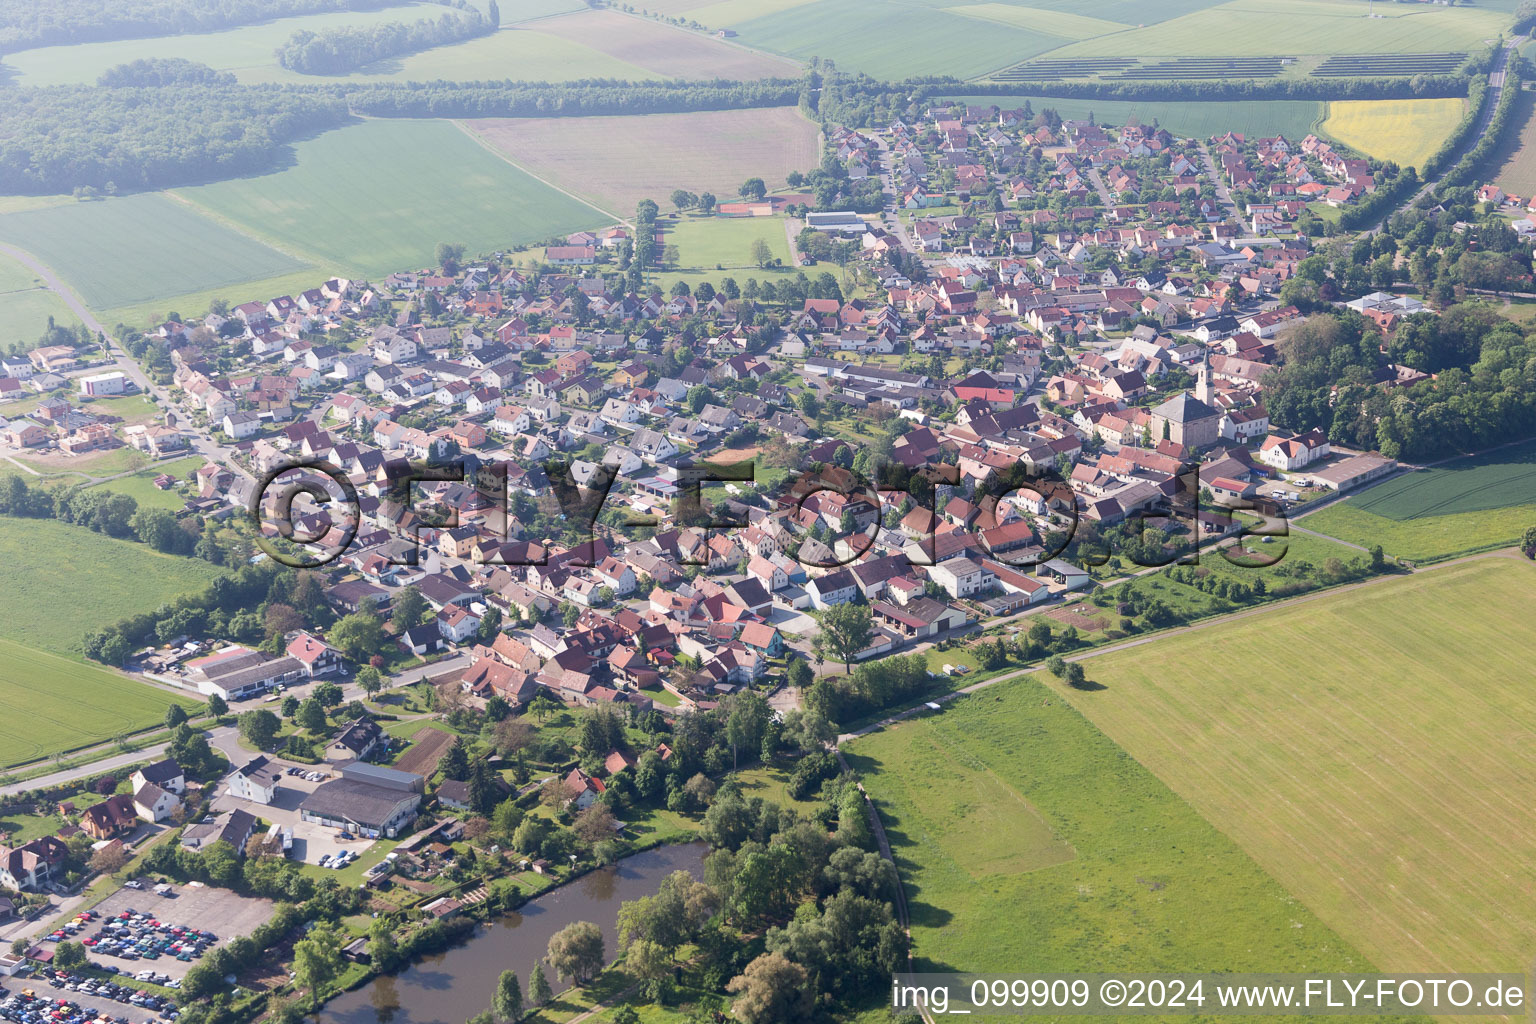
[
  {"x": 81, "y": 999},
  {"x": 170, "y": 925}
]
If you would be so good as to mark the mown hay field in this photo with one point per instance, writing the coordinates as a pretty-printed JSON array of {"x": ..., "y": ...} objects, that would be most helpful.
[
  {"x": 1028, "y": 841},
  {"x": 1371, "y": 750}
]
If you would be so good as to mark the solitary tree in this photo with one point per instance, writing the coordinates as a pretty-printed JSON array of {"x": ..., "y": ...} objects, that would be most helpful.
[
  {"x": 175, "y": 715},
  {"x": 507, "y": 1003},
  {"x": 773, "y": 989},
  {"x": 761, "y": 254},
  {"x": 753, "y": 189},
  {"x": 576, "y": 951},
  {"x": 845, "y": 631},
  {"x": 538, "y": 986}
]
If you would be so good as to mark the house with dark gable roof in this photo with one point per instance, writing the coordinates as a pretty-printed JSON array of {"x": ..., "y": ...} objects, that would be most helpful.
[{"x": 358, "y": 740}]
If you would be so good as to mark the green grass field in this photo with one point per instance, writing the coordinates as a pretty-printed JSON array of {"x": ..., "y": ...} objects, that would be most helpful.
[
  {"x": 140, "y": 248},
  {"x": 1370, "y": 749},
  {"x": 1027, "y": 841},
  {"x": 1291, "y": 118},
  {"x": 1425, "y": 540},
  {"x": 141, "y": 487},
  {"x": 378, "y": 196},
  {"x": 25, "y": 305},
  {"x": 1297, "y": 27},
  {"x": 1471, "y": 504},
  {"x": 892, "y": 40},
  {"x": 514, "y": 52},
  {"x": 53, "y": 704},
  {"x": 63, "y": 581},
  {"x": 713, "y": 248}
]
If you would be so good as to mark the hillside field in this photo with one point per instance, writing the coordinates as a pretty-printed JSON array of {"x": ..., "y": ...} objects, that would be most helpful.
[
  {"x": 63, "y": 581},
  {"x": 53, "y": 704},
  {"x": 379, "y": 196},
  {"x": 1027, "y": 841},
  {"x": 614, "y": 162},
  {"x": 1371, "y": 750},
  {"x": 1193, "y": 119},
  {"x": 1466, "y": 505},
  {"x": 140, "y": 248},
  {"x": 1407, "y": 132}
]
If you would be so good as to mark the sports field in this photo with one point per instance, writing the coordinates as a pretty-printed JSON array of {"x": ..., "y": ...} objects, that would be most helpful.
[
  {"x": 1243, "y": 28},
  {"x": 1370, "y": 749},
  {"x": 1471, "y": 504},
  {"x": 379, "y": 196},
  {"x": 616, "y": 161},
  {"x": 1407, "y": 132},
  {"x": 63, "y": 581},
  {"x": 1027, "y": 841},
  {"x": 1192, "y": 119},
  {"x": 53, "y": 704},
  {"x": 25, "y": 305},
  {"x": 712, "y": 248},
  {"x": 140, "y": 248}
]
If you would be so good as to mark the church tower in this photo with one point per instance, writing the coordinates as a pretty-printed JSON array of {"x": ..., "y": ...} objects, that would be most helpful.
[{"x": 1203, "y": 385}]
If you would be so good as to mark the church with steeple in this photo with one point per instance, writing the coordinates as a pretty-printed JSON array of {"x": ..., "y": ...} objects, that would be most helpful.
[{"x": 1191, "y": 420}]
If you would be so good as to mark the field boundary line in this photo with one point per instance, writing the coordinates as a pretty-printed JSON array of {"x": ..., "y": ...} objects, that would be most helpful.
[
  {"x": 484, "y": 143},
  {"x": 286, "y": 248}
]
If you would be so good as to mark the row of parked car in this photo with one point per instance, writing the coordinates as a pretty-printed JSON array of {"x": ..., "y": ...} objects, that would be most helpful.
[
  {"x": 28, "y": 1007},
  {"x": 311, "y": 776},
  {"x": 132, "y": 935},
  {"x": 338, "y": 860}
]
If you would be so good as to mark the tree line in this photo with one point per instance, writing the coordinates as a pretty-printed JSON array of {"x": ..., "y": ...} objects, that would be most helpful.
[
  {"x": 173, "y": 124},
  {"x": 336, "y": 51},
  {"x": 51, "y": 22},
  {"x": 60, "y": 138},
  {"x": 1484, "y": 392}
]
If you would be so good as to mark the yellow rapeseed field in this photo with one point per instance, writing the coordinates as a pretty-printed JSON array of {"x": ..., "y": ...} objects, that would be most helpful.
[{"x": 1405, "y": 131}]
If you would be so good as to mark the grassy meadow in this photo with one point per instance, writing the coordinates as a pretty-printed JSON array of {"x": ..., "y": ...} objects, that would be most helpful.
[
  {"x": 712, "y": 248},
  {"x": 53, "y": 704},
  {"x": 140, "y": 248},
  {"x": 1028, "y": 841},
  {"x": 25, "y": 305},
  {"x": 141, "y": 487},
  {"x": 1371, "y": 750},
  {"x": 63, "y": 581},
  {"x": 378, "y": 196},
  {"x": 1462, "y": 506},
  {"x": 1406, "y": 132}
]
